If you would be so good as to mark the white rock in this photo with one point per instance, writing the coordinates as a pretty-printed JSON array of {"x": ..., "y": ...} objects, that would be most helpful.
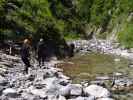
[
  {"x": 76, "y": 89},
  {"x": 10, "y": 92},
  {"x": 65, "y": 91},
  {"x": 97, "y": 91}
]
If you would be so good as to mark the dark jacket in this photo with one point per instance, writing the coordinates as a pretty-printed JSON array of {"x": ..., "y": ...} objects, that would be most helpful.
[
  {"x": 41, "y": 47},
  {"x": 25, "y": 51}
]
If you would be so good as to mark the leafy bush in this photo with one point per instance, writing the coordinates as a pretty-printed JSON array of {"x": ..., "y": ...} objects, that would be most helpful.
[{"x": 126, "y": 36}]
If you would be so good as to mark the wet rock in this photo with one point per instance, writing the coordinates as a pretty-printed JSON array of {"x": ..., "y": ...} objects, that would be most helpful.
[{"x": 97, "y": 91}]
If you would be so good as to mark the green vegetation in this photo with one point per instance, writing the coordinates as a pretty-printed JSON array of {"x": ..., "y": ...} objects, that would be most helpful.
[
  {"x": 126, "y": 36},
  {"x": 71, "y": 36},
  {"x": 57, "y": 18}
]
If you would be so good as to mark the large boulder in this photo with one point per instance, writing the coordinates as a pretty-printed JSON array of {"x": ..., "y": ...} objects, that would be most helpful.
[{"x": 97, "y": 91}]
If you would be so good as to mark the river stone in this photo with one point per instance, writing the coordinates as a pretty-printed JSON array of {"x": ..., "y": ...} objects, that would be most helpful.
[
  {"x": 76, "y": 89},
  {"x": 65, "y": 91},
  {"x": 97, "y": 91},
  {"x": 10, "y": 92}
]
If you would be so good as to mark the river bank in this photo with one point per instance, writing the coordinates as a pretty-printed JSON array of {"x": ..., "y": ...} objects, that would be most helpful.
[{"x": 102, "y": 46}]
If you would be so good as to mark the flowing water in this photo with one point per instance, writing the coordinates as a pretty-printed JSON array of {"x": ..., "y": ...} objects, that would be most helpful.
[{"x": 89, "y": 66}]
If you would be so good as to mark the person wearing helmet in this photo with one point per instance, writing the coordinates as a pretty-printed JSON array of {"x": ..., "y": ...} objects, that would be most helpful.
[
  {"x": 41, "y": 52},
  {"x": 25, "y": 54}
]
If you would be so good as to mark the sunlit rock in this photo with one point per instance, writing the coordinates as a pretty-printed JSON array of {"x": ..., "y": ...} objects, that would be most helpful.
[
  {"x": 10, "y": 92},
  {"x": 97, "y": 91},
  {"x": 76, "y": 89}
]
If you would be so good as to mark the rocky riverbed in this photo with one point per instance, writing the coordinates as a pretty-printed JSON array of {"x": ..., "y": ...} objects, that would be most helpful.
[
  {"x": 102, "y": 46},
  {"x": 45, "y": 83}
]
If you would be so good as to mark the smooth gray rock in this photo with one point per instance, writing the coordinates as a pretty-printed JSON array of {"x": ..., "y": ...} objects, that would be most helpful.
[
  {"x": 97, "y": 91},
  {"x": 65, "y": 91},
  {"x": 76, "y": 89}
]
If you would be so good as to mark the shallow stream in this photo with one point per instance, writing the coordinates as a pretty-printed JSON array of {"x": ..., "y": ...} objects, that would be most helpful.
[{"x": 92, "y": 65}]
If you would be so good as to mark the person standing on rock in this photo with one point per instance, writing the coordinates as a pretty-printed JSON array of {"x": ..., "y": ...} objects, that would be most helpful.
[
  {"x": 41, "y": 52},
  {"x": 25, "y": 55}
]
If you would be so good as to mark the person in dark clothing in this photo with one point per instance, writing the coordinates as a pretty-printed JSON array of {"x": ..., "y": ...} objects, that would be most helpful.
[
  {"x": 25, "y": 54},
  {"x": 71, "y": 50},
  {"x": 41, "y": 52}
]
